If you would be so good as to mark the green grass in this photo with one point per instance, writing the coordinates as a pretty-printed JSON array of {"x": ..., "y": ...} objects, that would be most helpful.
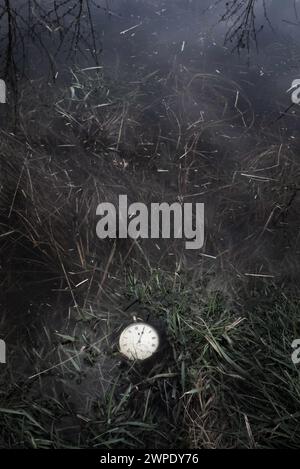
[{"x": 225, "y": 379}]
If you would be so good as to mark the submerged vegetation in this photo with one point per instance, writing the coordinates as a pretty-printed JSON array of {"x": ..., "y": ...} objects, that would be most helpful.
[
  {"x": 228, "y": 314},
  {"x": 226, "y": 379}
]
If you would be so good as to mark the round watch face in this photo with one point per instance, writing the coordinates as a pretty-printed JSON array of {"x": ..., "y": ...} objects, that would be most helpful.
[{"x": 139, "y": 341}]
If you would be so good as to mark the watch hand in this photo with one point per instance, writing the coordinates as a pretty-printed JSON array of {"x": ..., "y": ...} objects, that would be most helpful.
[{"x": 141, "y": 335}]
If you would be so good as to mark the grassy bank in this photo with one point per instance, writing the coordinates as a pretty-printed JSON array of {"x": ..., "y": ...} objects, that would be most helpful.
[{"x": 224, "y": 379}]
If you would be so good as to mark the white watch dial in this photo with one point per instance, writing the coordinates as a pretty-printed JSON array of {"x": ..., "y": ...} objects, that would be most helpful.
[{"x": 139, "y": 341}]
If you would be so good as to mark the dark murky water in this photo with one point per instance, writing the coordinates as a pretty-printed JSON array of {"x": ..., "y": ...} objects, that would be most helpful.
[{"x": 133, "y": 37}]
